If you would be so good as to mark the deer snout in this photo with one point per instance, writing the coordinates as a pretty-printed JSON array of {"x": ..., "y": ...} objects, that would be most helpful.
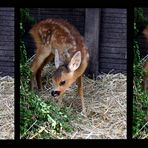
[{"x": 55, "y": 93}]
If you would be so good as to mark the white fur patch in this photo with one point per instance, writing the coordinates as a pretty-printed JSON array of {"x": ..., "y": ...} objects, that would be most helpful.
[
  {"x": 75, "y": 61},
  {"x": 87, "y": 55},
  {"x": 57, "y": 60}
]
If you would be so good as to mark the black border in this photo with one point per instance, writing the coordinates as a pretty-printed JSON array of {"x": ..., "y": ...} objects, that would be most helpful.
[
  {"x": 130, "y": 20},
  {"x": 129, "y": 4},
  {"x": 17, "y": 76}
]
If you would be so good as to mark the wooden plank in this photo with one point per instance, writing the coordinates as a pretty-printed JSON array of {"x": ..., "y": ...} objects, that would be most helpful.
[
  {"x": 114, "y": 25},
  {"x": 7, "y": 13},
  {"x": 115, "y": 10},
  {"x": 7, "y": 69},
  {"x": 114, "y": 30},
  {"x": 92, "y": 29},
  {"x": 7, "y": 9},
  {"x": 113, "y": 45},
  {"x": 7, "y": 52},
  {"x": 7, "y": 74},
  {"x": 106, "y": 49},
  {"x": 114, "y": 35},
  {"x": 113, "y": 66},
  {"x": 3, "y": 49},
  {"x": 7, "y": 38},
  {"x": 112, "y": 60},
  {"x": 114, "y": 55},
  {"x": 114, "y": 20},
  {"x": 9, "y": 45},
  {"x": 114, "y": 41},
  {"x": 4, "y": 32},
  {"x": 7, "y": 41},
  {"x": 6, "y": 23},
  {"x": 6, "y": 64},
  {"x": 122, "y": 15},
  {"x": 6, "y": 17},
  {"x": 6, "y": 28},
  {"x": 7, "y": 58}
]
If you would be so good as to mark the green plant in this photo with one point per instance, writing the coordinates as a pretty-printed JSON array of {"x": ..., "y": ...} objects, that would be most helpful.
[
  {"x": 33, "y": 108},
  {"x": 24, "y": 19},
  {"x": 140, "y": 98}
]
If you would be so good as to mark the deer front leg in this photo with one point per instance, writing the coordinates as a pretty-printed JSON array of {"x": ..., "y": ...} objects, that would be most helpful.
[
  {"x": 38, "y": 75},
  {"x": 36, "y": 67},
  {"x": 80, "y": 93}
]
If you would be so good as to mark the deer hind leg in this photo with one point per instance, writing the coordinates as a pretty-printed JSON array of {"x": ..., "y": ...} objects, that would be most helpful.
[
  {"x": 80, "y": 92},
  {"x": 38, "y": 74},
  {"x": 37, "y": 64},
  {"x": 145, "y": 83}
]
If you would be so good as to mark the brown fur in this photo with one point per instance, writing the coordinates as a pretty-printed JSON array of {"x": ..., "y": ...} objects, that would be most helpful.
[
  {"x": 145, "y": 66},
  {"x": 51, "y": 34},
  {"x": 145, "y": 79},
  {"x": 145, "y": 32}
]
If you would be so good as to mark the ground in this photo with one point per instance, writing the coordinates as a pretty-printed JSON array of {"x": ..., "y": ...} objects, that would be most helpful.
[
  {"x": 106, "y": 103},
  {"x": 6, "y": 107}
]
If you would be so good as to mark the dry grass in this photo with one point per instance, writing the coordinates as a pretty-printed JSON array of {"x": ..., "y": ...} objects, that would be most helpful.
[
  {"x": 105, "y": 99},
  {"x": 106, "y": 104},
  {"x": 6, "y": 107}
]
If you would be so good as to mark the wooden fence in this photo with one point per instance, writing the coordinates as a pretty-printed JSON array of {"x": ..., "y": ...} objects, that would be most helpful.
[{"x": 7, "y": 41}]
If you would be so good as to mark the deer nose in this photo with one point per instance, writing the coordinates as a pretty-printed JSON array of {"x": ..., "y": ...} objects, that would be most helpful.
[{"x": 55, "y": 93}]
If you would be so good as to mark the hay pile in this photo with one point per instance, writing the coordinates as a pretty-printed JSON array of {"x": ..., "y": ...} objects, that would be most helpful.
[
  {"x": 105, "y": 99},
  {"x": 6, "y": 107},
  {"x": 106, "y": 104}
]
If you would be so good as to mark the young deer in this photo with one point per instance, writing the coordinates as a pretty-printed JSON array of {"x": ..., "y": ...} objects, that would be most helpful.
[
  {"x": 59, "y": 39},
  {"x": 145, "y": 79}
]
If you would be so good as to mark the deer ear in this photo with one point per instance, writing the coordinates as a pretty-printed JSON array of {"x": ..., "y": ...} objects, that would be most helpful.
[
  {"x": 75, "y": 61},
  {"x": 57, "y": 60}
]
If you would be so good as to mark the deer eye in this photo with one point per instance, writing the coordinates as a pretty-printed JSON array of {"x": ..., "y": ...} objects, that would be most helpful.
[{"x": 62, "y": 83}]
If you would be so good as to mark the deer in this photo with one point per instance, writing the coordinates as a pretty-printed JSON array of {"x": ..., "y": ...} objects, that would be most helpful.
[
  {"x": 58, "y": 39},
  {"x": 145, "y": 65}
]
